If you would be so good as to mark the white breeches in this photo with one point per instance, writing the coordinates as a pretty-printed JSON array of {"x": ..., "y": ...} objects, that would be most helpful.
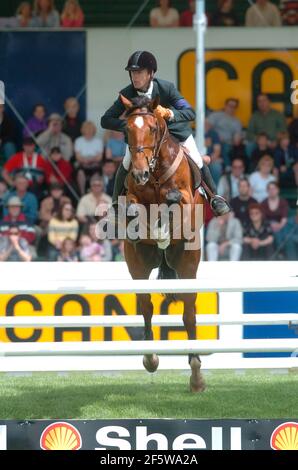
[{"x": 189, "y": 143}]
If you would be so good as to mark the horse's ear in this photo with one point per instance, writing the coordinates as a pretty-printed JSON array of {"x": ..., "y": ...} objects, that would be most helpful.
[
  {"x": 155, "y": 102},
  {"x": 125, "y": 101}
]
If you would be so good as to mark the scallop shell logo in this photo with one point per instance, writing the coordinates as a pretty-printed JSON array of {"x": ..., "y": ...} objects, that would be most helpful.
[
  {"x": 285, "y": 437},
  {"x": 60, "y": 436}
]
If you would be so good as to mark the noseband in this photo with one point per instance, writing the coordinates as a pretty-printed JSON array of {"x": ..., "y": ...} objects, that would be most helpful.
[{"x": 155, "y": 148}]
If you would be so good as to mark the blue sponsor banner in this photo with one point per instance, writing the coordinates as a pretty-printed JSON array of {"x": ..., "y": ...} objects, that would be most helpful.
[{"x": 269, "y": 302}]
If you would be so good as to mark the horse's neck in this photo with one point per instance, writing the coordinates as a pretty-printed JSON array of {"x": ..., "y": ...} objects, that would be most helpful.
[{"x": 168, "y": 152}]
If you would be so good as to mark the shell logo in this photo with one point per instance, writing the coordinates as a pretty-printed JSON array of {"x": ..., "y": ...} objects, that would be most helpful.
[
  {"x": 285, "y": 437},
  {"x": 60, "y": 436}
]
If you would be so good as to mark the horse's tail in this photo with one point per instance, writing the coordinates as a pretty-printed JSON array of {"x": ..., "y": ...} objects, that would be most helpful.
[{"x": 166, "y": 272}]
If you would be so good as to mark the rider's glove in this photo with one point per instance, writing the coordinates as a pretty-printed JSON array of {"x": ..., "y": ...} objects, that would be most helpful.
[{"x": 165, "y": 113}]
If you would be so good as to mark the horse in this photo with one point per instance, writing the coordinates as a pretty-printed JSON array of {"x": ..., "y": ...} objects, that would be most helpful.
[{"x": 160, "y": 174}]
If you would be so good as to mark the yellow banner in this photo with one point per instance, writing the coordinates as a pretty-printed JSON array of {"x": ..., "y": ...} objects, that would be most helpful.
[
  {"x": 242, "y": 74},
  {"x": 101, "y": 304}
]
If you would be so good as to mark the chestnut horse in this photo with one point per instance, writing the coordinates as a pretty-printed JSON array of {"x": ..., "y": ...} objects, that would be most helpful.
[{"x": 159, "y": 174}]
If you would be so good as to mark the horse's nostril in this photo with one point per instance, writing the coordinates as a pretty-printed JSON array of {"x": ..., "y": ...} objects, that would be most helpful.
[{"x": 146, "y": 174}]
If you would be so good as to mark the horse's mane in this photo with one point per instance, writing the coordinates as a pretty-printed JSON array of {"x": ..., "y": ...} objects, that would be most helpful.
[{"x": 139, "y": 102}]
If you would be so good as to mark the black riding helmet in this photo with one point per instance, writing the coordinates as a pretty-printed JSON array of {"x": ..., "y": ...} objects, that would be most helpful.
[{"x": 141, "y": 60}]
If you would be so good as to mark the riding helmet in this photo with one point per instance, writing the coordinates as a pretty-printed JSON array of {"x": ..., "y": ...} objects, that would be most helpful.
[{"x": 141, "y": 60}]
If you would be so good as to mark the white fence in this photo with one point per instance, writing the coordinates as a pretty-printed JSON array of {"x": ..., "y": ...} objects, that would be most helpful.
[{"x": 229, "y": 279}]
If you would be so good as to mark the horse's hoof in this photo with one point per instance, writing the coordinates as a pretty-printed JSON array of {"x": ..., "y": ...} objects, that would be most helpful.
[
  {"x": 197, "y": 382},
  {"x": 151, "y": 362}
]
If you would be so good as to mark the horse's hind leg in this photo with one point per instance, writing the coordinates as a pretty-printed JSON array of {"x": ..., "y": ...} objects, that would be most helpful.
[{"x": 150, "y": 361}]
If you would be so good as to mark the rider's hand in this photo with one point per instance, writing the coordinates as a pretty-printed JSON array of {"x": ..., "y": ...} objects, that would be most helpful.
[{"x": 165, "y": 113}]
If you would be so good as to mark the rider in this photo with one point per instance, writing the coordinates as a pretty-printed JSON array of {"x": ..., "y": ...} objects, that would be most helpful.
[{"x": 173, "y": 108}]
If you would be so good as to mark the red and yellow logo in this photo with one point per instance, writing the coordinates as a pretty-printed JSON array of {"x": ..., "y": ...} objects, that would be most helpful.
[
  {"x": 60, "y": 436},
  {"x": 285, "y": 437}
]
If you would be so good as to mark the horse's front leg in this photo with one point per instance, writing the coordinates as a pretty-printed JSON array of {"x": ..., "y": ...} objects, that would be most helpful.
[{"x": 150, "y": 361}]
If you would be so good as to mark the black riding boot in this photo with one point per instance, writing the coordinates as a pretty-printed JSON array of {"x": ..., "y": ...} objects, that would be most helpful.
[
  {"x": 218, "y": 204},
  {"x": 118, "y": 188}
]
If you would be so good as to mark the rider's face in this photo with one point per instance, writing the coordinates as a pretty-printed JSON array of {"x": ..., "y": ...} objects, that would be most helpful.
[{"x": 140, "y": 79}]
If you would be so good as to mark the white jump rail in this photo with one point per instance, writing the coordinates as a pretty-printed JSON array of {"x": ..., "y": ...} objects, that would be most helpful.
[{"x": 138, "y": 321}]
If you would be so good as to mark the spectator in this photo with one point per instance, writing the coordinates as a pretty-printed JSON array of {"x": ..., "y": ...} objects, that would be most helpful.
[
  {"x": 89, "y": 203},
  {"x": 291, "y": 238},
  {"x": 115, "y": 145},
  {"x": 68, "y": 251},
  {"x": 63, "y": 225},
  {"x": 227, "y": 125},
  {"x": 262, "y": 13},
  {"x": 228, "y": 185},
  {"x": 262, "y": 148},
  {"x": 37, "y": 123},
  {"x": 260, "y": 178},
  {"x": 285, "y": 156},
  {"x": 72, "y": 124},
  {"x": 106, "y": 248},
  {"x": 241, "y": 203},
  {"x": 59, "y": 170},
  {"x": 45, "y": 14},
  {"x": 29, "y": 200},
  {"x": 88, "y": 151},
  {"x": 72, "y": 15},
  {"x": 164, "y": 16},
  {"x": 119, "y": 251},
  {"x": 3, "y": 193},
  {"x": 108, "y": 176},
  {"x": 7, "y": 135},
  {"x": 16, "y": 217},
  {"x": 13, "y": 247},
  {"x": 289, "y": 12},
  {"x": 293, "y": 131},
  {"x": 225, "y": 14},
  {"x": 186, "y": 17},
  {"x": 90, "y": 250},
  {"x": 50, "y": 206},
  {"x": 238, "y": 150},
  {"x": 212, "y": 143},
  {"x": 54, "y": 137},
  {"x": 224, "y": 238},
  {"x": 27, "y": 162},
  {"x": 24, "y": 16},
  {"x": 258, "y": 238},
  {"x": 275, "y": 210},
  {"x": 265, "y": 120}
]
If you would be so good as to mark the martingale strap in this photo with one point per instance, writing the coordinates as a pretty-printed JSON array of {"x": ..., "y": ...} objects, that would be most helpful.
[{"x": 173, "y": 168}]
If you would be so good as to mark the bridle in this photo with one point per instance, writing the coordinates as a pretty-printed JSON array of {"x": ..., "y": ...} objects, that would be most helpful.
[{"x": 157, "y": 145}]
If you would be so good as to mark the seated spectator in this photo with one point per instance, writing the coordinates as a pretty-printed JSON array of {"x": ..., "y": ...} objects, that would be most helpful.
[
  {"x": 37, "y": 123},
  {"x": 238, "y": 150},
  {"x": 63, "y": 225},
  {"x": 7, "y": 135},
  {"x": 293, "y": 131},
  {"x": 88, "y": 152},
  {"x": 213, "y": 146},
  {"x": 227, "y": 125},
  {"x": 15, "y": 216},
  {"x": 90, "y": 250},
  {"x": 225, "y": 14},
  {"x": 89, "y": 203},
  {"x": 59, "y": 170},
  {"x": 164, "y": 16},
  {"x": 108, "y": 176},
  {"x": 72, "y": 15},
  {"x": 54, "y": 137},
  {"x": 45, "y": 14},
  {"x": 186, "y": 17},
  {"x": 260, "y": 178},
  {"x": 50, "y": 206},
  {"x": 262, "y": 148},
  {"x": 275, "y": 210},
  {"x": 24, "y": 16},
  {"x": 289, "y": 12},
  {"x": 115, "y": 145},
  {"x": 3, "y": 193},
  {"x": 119, "y": 251},
  {"x": 68, "y": 251},
  {"x": 224, "y": 238},
  {"x": 72, "y": 124},
  {"x": 228, "y": 185},
  {"x": 291, "y": 238},
  {"x": 29, "y": 200},
  {"x": 262, "y": 13},
  {"x": 105, "y": 245},
  {"x": 285, "y": 155},
  {"x": 241, "y": 203},
  {"x": 258, "y": 238},
  {"x": 29, "y": 163},
  {"x": 265, "y": 120},
  {"x": 13, "y": 247}
]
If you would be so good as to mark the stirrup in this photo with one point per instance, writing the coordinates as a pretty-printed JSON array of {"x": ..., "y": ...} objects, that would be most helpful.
[{"x": 219, "y": 205}]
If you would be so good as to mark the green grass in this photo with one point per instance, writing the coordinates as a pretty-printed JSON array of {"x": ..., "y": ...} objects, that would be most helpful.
[{"x": 255, "y": 394}]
